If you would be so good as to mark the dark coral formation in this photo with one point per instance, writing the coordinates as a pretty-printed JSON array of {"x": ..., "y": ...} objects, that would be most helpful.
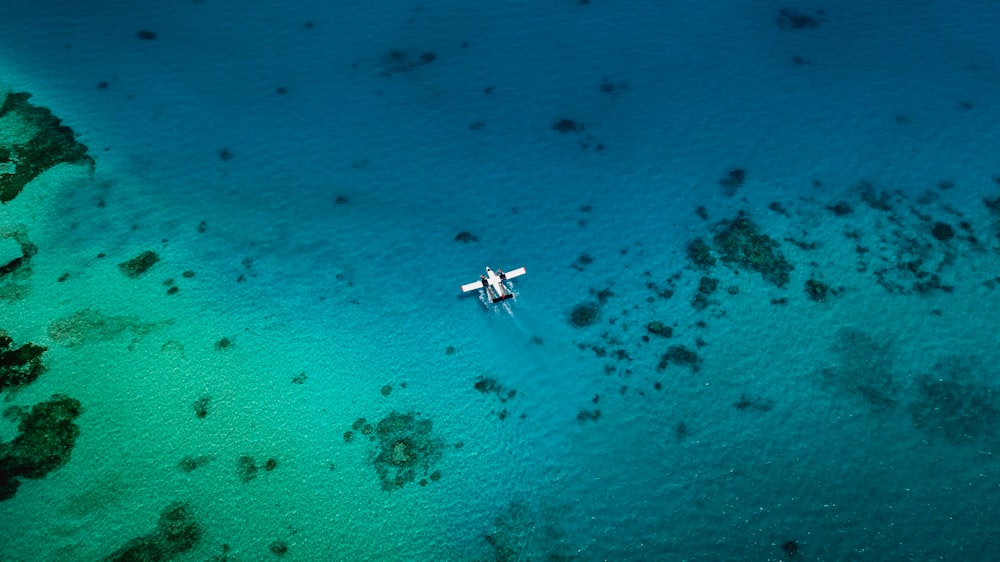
[
  {"x": 46, "y": 435},
  {"x": 952, "y": 404},
  {"x": 680, "y": 355},
  {"x": 176, "y": 532},
  {"x": 21, "y": 365},
  {"x": 201, "y": 406},
  {"x": 567, "y": 126},
  {"x": 584, "y": 314},
  {"x": 700, "y": 254},
  {"x": 917, "y": 253},
  {"x": 246, "y": 468},
  {"x": 406, "y": 447},
  {"x": 880, "y": 200},
  {"x": 398, "y": 60},
  {"x": 140, "y": 264},
  {"x": 706, "y": 286},
  {"x": 790, "y": 19},
  {"x": 489, "y": 385},
  {"x": 507, "y": 533},
  {"x": 466, "y": 236},
  {"x": 943, "y": 231},
  {"x": 657, "y": 327},
  {"x": 817, "y": 290},
  {"x": 753, "y": 404},
  {"x": 15, "y": 272},
  {"x": 741, "y": 244},
  {"x": 190, "y": 464},
  {"x": 51, "y": 143},
  {"x": 841, "y": 208},
  {"x": 732, "y": 181},
  {"x": 278, "y": 548}
]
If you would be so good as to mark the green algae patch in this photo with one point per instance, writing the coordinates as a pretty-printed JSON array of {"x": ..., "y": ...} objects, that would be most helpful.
[
  {"x": 21, "y": 365},
  {"x": 91, "y": 326},
  {"x": 46, "y": 436},
  {"x": 42, "y": 142}
]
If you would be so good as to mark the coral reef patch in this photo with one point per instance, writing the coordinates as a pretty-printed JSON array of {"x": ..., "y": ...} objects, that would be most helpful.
[
  {"x": 953, "y": 404},
  {"x": 740, "y": 244},
  {"x": 20, "y": 365},
  {"x": 46, "y": 436},
  {"x": 16, "y": 268},
  {"x": 140, "y": 264},
  {"x": 43, "y": 141},
  {"x": 91, "y": 326},
  {"x": 190, "y": 463},
  {"x": 405, "y": 447},
  {"x": 584, "y": 314},
  {"x": 176, "y": 532},
  {"x": 680, "y": 355},
  {"x": 863, "y": 368}
]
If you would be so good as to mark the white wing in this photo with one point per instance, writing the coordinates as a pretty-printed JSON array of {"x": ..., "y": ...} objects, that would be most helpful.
[
  {"x": 515, "y": 273},
  {"x": 472, "y": 286}
]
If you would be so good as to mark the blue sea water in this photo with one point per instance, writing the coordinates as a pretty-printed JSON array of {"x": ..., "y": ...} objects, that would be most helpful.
[{"x": 315, "y": 166}]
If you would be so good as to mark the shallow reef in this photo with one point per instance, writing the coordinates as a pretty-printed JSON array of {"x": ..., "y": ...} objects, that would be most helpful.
[
  {"x": 954, "y": 403},
  {"x": 90, "y": 326},
  {"x": 176, "y": 532},
  {"x": 863, "y": 368},
  {"x": 140, "y": 264},
  {"x": 14, "y": 274},
  {"x": 489, "y": 385},
  {"x": 44, "y": 142},
  {"x": 405, "y": 447},
  {"x": 700, "y": 254},
  {"x": 399, "y": 60},
  {"x": 190, "y": 463},
  {"x": 680, "y": 355},
  {"x": 46, "y": 436},
  {"x": 741, "y": 244},
  {"x": 584, "y": 314},
  {"x": 20, "y": 365}
]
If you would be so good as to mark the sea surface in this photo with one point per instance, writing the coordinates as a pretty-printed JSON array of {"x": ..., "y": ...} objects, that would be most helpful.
[{"x": 762, "y": 243}]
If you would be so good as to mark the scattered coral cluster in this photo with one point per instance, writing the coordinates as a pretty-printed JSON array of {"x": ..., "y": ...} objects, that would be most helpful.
[{"x": 406, "y": 449}]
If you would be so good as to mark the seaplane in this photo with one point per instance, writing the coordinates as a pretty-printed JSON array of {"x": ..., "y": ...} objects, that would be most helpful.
[{"x": 493, "y": 284}]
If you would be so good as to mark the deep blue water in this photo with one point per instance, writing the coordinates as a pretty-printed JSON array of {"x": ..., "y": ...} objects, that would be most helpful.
[{"x": 762, "y": 245}]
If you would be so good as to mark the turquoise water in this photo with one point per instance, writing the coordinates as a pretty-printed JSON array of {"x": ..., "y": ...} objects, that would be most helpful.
[{"x": 313, "y": 166}]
